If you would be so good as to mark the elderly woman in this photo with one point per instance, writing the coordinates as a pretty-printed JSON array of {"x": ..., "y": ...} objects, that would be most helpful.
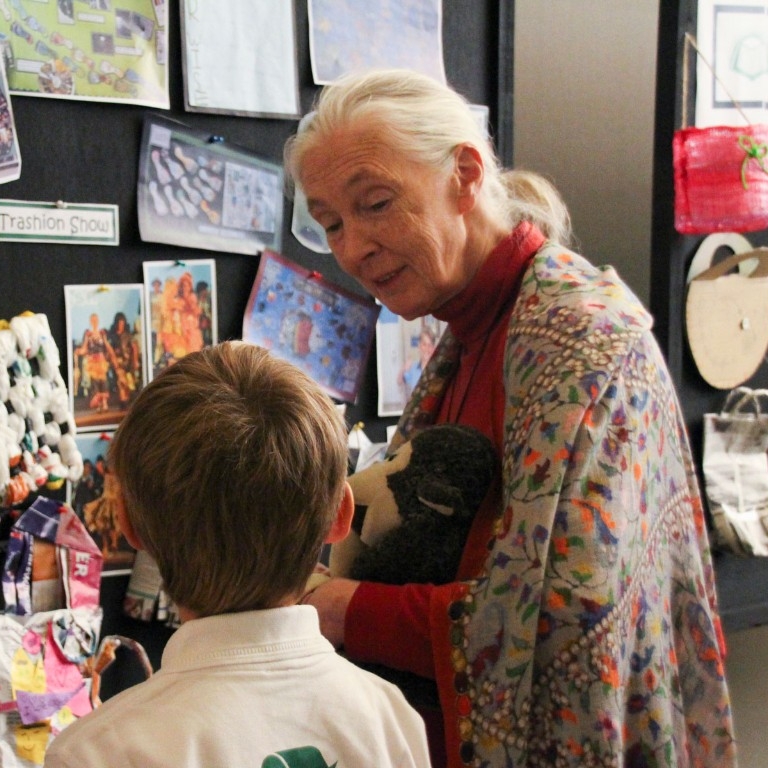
[{"x": 582, "y": 627}]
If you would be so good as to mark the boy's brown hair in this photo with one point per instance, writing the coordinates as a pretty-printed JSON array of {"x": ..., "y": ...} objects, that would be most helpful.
[{"x": 232, "y": 466}]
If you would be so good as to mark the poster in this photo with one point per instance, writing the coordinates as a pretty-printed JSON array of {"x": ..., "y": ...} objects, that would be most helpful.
[
  {"x": 198, "y": 191},
  {"x": 87, "y": 49},
  {"x": 303, "y": 318},
  {"x": 105, "y": 349},
  {"x": 403, "y": 348},
  {"x": 10, "y": 157},
  {"x": 731, "y": 63},
  {"x": 347, "y": 35},
  {"x": 180, "y": 297},
  {"x": 239, "y": 58}
]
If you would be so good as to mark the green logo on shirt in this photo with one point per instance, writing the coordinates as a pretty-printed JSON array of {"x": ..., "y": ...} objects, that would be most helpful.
[{"x": 301, "y": 757}]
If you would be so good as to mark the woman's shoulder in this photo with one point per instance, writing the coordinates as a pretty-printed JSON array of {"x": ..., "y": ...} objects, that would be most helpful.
[{"x": 561, "y": 285}]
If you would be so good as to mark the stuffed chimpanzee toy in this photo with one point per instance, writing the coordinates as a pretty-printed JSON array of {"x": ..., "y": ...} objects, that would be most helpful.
[{"x": 413, "y": 511}]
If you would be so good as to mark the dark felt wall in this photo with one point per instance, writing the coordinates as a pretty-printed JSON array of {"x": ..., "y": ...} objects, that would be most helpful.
[
  {"x": 87, "y": 152},
  {"x": 742, "y": 582}
]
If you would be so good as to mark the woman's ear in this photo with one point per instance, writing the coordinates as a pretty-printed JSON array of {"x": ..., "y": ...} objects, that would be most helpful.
[
  {"x": 344, "y": 514},
  {"x": 469, "y": 173}
]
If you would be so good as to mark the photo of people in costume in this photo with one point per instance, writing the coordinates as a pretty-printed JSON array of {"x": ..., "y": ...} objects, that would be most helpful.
[
  {"x": 181, "y": 299},
  {"x": 93, "y": 500},
  {"x": 106, "y": 351}
]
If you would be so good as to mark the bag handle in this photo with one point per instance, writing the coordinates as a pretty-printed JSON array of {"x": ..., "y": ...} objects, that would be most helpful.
[
  {"x": 760, "y": 255},
  {"x": 106, "y": 655},
  {"x": 737, "y": 399}
]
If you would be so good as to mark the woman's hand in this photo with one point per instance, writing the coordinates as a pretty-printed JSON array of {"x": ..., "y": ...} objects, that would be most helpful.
[{"x": 331, "y": 599}]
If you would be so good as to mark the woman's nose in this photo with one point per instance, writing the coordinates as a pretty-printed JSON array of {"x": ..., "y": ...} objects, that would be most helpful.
[{"x": 356, "y": 246}]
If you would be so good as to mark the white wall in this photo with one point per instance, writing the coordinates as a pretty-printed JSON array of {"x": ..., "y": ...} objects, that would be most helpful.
[{"x": 584, "y": 84}]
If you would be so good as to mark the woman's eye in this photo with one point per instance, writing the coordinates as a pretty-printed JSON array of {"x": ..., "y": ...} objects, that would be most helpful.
[
  {"x": 332, "y": 228},
  {"x": 380, "y": 205}
]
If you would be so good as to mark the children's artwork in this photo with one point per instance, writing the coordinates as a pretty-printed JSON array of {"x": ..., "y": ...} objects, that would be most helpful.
[
  {"x": 87, "y": 49},
  {"x": 10, "y": 157},
  {"x": 316, "y": 325},
  {"x": 732, "y": 63},
  {"x": 181, "y": 304},
  {"x": 239, "y": 57},
  {"x": 347, "y": 35},
  {"x": 403, "y": 348},
  {"x": 92, "y": 498},
  {"x": 105, "y": 346},
  {"x": 196, "y": 190}
]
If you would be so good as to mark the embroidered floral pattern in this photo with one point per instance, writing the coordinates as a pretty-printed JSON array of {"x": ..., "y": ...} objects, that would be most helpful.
[{"x": 592, "y": 637}]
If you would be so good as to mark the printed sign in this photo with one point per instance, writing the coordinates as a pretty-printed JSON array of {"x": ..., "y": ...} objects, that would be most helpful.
[{"x": 70, "y": 223}]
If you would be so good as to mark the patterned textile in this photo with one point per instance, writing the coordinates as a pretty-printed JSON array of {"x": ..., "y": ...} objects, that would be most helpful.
[{"x": 591, "y": 638}]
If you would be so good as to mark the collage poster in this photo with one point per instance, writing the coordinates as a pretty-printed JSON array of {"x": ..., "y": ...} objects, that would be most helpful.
[
  {"x": 303, "y": 318},
  {"x": 91, "y": 50}
]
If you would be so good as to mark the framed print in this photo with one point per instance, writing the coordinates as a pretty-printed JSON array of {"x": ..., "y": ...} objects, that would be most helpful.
[
  {"x": 181, "y": 305},
  {"x": 316, "y": 325},
  {"x": 105, "y": 349}
]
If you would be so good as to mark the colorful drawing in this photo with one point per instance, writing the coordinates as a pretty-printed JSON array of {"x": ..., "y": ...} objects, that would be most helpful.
[
  {"x": 346, "y": 35},
  {"x": 314, "y": 324}
]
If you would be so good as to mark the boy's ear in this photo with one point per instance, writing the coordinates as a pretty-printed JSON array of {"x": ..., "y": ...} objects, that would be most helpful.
[
  {"x": 344, "y": 514},
  {"x": 124, "y": 522}
]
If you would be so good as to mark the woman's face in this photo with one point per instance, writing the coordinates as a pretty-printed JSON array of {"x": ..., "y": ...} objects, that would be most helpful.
[{"x": 394, "y": 225}]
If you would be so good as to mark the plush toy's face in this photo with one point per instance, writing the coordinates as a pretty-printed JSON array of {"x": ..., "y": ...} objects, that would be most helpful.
[
  {"x": 376, "y": 510},
  {"x": 414, "y": 510}
]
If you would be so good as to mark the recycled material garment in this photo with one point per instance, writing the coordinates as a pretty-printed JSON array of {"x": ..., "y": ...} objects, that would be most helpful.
[{"x": 590, "y": 636}]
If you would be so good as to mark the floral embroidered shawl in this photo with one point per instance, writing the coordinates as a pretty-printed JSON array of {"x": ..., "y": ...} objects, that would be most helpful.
[{"x": 590, "y": 637}]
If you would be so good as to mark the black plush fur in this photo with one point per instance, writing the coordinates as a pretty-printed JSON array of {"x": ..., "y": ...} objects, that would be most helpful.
[{"x": 451, "y": 465}]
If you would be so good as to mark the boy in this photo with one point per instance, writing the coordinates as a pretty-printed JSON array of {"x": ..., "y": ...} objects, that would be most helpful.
[{"x": 231, "y": 469}]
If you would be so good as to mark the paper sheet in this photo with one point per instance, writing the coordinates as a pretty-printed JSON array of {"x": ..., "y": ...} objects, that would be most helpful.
[{"x": 240, "y": 57}]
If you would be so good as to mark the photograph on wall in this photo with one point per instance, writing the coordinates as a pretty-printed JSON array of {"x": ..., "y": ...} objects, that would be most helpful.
[
  {"x": 10, "y": 157},
  {"x": 92, "y": 50},
  {"x": 180, "y": 297},
  {"x": 239, "y": 58},
  {"x": 318, "y": 326},
  {"x": 731, "y": 63},
  {"x": 403, "y": 348},
  {"x": 347, "y": 36},
  {"x": 198, "y": 191},
  {"x": 105, "y": 349},
  {"x": 92, "y": 498}
]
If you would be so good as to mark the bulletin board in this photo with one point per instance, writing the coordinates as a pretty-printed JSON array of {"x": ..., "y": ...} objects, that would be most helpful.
[
  {"x": 742, "y": 582},
  {"x": 87, "y": 152}
]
